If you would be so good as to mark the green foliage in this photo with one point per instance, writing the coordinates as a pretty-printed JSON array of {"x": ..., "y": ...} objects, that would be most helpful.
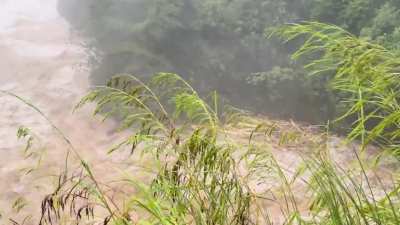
[
  {"x": 202, "y": 178},
  {"x": 293, "y": 93},
  {"x": 218, "y": 45},
  {"x": 373, "y": 19},
  {"x": 140, "y": 107},
  {"x": 215, "y": 45},
  {"x": 384, "y": 27},
  {"x": 199, "y": 163},
  {"x": 366, "y": 74},
  {"x": 342, "y": 197},
  {"x": 161, "y": 114}
]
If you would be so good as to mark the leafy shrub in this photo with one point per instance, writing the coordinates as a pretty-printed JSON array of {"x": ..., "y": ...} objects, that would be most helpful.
[{"x": 289, "y": 92}]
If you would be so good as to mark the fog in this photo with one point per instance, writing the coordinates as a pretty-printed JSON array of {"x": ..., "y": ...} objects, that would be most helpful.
[{"x": 13, "y": 11}]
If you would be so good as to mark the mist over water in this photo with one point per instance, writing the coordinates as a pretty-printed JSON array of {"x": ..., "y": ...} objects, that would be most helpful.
[{"x": 14, "y": 11}]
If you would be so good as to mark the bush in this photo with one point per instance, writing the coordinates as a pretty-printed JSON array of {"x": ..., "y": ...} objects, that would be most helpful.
[{"x": 290, "y": 93}]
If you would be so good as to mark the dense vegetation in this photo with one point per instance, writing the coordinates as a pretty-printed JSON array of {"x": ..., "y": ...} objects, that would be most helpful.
[
  {"x": 200, "y": 176},
  {"x": 195, "y": 173},
  {"x": 220, "y": 45},
  {"x": 366, "y": 77}
]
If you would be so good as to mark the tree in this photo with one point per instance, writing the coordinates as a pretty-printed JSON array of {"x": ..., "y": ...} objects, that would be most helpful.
[{"x": 219, "y": 44}]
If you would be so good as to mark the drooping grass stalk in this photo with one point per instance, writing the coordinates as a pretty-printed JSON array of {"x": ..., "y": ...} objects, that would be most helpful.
[
  {"x": 366, "y": 75},
  {"x": 201, "y": 183},
  {"x": 71, "y": 148}
]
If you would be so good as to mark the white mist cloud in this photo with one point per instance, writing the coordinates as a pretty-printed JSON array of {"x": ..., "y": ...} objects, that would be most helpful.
[{"x": 12, "y": 11}]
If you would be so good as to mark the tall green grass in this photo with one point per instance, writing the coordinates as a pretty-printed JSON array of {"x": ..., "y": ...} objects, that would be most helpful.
[
  {"x": 365, "y": 77},
  {"x": 203, "y": 177}
]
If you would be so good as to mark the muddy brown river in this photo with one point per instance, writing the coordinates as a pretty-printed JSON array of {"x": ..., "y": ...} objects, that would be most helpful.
[{"x": 42, "y": 61}]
